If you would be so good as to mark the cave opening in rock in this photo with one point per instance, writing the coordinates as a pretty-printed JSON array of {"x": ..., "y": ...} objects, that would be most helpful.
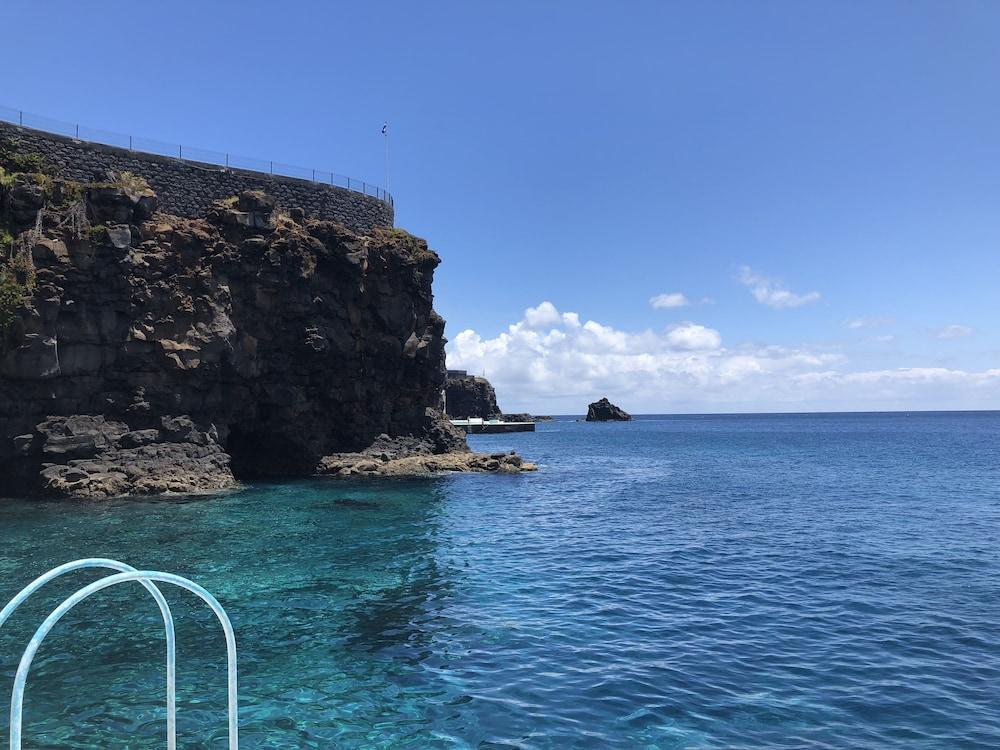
[{"x": 258, "y": 453}]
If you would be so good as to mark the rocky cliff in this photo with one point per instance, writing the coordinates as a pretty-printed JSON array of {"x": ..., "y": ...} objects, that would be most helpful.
[
  {"x": 470, "y": 396},
  {"x": 143, "y": 352}
]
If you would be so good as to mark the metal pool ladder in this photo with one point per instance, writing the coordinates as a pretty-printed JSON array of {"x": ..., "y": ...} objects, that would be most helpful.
[{"x": 148, "y": 579}]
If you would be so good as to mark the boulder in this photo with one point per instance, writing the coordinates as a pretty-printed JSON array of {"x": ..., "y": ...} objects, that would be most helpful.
[
  {"x": 25, "y": 199},
  {"x": 109, "y": 204},
  {"x": 48, "y": 251},
  {"x": 256, "y": 201},
  {"x": 78, "y": 436}
]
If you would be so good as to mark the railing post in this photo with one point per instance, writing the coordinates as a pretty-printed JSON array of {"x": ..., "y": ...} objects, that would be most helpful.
[
  {"x": 20, "y": 117},
  {"x": 78, "y": 132},
  {"x": 180, "y": 152},
  {"x": 227, "y": 161},
  {"x": 272, "y": 167},
  {"x": 130, "y": 143}
]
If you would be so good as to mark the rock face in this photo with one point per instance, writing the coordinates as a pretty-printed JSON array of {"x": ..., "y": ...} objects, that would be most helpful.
[
  {"x": 605, "y": 411},
  {"x": 468, "y": 396},
  {"x": 155, "y": 353}
]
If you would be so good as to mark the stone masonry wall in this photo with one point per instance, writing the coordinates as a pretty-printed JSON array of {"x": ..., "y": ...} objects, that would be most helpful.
[{"x": 189, "y": 188}]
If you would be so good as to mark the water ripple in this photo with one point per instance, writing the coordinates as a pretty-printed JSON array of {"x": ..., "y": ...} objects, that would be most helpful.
[{"x": 731, "y": 582}]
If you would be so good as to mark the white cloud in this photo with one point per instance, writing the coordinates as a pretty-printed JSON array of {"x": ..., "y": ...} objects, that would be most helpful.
[
  {"x": 870, "y": 322},
  {"x": 543, "y": 315},
  {"x": 551, "y": 362},
  {"x": 693, "y": 336},
  {"x": 669, "y": 299},
  {"x": 953, "y": 332},
  {"x": 772, "y": 292},
  {"x": 886, "y": 339}
]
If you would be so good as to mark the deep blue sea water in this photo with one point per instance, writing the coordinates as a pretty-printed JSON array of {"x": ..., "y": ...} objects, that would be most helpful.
[{"x": 797, "y": 581}]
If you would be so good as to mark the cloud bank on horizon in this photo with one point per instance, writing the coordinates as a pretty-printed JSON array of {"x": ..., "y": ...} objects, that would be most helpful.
[{"x": 554, "y": 362}]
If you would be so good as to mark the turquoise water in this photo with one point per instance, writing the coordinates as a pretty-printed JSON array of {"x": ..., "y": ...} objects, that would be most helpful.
[{"x": 798, "y": 581}]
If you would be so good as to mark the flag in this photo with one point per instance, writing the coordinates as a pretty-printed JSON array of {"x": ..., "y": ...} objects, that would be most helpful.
[{"x": 385, "y": 128}]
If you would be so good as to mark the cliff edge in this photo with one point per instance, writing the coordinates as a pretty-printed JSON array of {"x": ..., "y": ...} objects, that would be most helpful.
[{"x": 142, "y": 352}]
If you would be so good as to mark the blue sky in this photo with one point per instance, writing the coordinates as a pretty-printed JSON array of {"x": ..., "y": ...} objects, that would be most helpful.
[{"x": 594, "y": 156}]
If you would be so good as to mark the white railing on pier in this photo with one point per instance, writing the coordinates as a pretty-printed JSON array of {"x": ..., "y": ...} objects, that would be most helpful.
[{"x": 147, "y": 579}]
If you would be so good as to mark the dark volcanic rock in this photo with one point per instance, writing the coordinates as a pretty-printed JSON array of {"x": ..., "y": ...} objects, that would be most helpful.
[
  {"x": 605, "y": 411},
  {"x": 358, "y": 464},
  {"x": 168, "y": 354},
  {"x": 468, "y": 396},
  {"x": 525, "y": 417},
  {"x": 522, "y": 417},
  {"x": 105, "y": 459}
]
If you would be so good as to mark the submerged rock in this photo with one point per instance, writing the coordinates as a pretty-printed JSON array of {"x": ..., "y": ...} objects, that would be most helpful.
[{"x": 605, "y": 411}]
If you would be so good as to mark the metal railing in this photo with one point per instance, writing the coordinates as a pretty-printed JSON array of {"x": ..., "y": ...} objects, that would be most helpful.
[
  {"x": 188, "y": 153},
  {"x": 148, "y": 579}
]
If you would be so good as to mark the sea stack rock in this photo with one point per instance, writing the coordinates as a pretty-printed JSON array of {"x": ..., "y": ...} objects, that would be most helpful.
[{"x": 605, "y": 411}]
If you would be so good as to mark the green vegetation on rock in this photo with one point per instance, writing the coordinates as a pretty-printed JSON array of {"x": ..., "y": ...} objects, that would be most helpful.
[
  {"x": 132, "y": 183},
  {"x": 417, "y": 247},
  {"x": 17, "y": 280}
]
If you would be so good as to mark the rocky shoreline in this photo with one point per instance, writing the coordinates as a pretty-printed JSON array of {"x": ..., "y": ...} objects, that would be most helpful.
[
  {"x": 90, "y": 457},
  {"x": 357, "y": 464},
  {"x": 145, "y": 353}
]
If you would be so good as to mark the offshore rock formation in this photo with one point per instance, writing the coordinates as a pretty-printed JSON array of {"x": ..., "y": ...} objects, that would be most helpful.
[
  {"x": 470, "y": 396},
  {"x": 143, "y": 353},
  {"x": 605, "y": 411}
]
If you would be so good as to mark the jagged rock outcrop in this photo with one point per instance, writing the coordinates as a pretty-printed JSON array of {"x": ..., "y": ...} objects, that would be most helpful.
[
  {"x": 605, "y": 411},
  {"x": 470, "y": 396},
  {"x": 88, "y": 456},
  {"x": 150, "y": 353}
]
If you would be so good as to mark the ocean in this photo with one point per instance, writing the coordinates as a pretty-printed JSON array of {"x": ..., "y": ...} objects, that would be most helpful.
[{"x": 752, "y": 581}]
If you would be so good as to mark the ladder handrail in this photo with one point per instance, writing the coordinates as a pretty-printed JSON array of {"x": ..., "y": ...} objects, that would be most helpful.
[
  {"x": 168, "y": 623},
  {"x": 20, "y": 680}
]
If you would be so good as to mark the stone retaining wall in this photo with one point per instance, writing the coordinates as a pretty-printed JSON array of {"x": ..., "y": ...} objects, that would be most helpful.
[{"x": 188, "y": 188}]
